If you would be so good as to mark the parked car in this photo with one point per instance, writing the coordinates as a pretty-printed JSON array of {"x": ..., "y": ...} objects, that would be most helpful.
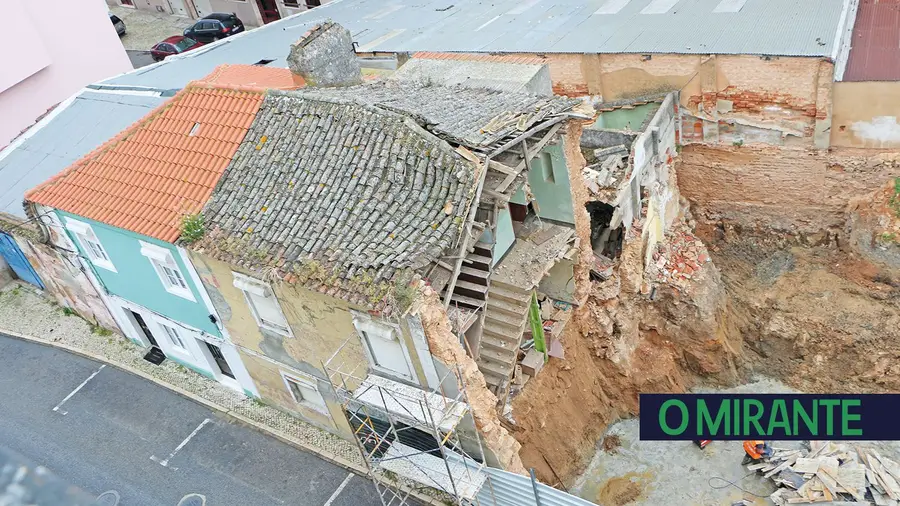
[
  {"x": 175, "y": 44},
  {"x": 216, "y": 26},
  {"x": 118, "y": 23}
]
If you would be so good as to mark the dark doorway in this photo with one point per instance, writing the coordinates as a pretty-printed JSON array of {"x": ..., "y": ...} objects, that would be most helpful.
[
  {"x": 605, "y": 241},
  {"x": 144, "y": 328},
  {"x": 155, "y": 355},
  {"x": 220, "y": 360},
  {"x": 268, "y": 10}
]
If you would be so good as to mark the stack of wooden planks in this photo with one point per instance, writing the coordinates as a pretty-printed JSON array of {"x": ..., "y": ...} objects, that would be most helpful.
[{"x": 832, "y": 473}]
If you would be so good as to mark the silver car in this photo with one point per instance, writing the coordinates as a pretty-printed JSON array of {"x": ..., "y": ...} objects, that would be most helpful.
[{"x": 118, "y": 23}]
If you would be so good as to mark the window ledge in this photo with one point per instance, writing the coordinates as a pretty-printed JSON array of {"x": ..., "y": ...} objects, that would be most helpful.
[
  {"x": 180, "y": 292},
  {"x": 104, "y": 264}
]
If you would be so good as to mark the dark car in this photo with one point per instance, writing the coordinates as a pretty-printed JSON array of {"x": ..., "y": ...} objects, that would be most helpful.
[
  {"x": 118, "y": 23},
  {"x": 175, "y": 44},
  {"x": 216, "y": 26}
]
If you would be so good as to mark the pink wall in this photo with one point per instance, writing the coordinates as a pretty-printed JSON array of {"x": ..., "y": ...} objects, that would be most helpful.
[{"x": 76, "y": 45}]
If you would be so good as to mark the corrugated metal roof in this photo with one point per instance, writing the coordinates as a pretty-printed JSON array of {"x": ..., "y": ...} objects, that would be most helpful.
[
  {"x": 90, "y": 120},
  {"x": 875, "y": 52},
  {"x": 770, "y": 27}
]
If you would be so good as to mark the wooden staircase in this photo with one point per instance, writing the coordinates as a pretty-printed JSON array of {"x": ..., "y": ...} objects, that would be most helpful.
[
  {"x": 505, "y": 319},
  {"x": 471, "y": 287}
]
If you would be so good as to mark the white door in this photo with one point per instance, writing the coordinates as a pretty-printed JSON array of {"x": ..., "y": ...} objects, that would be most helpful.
[
  {"x": 203, "y": 8},
  {"x": 178, "y": 9}
]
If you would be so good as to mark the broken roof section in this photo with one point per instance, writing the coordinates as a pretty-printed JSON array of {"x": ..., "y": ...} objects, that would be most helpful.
[
  {"x": 477, "y": 118},
  {"x": 338, "y": 187},
  {"x": 500, "y": 76},
  {"x": 320, "y": 186},
  {"x": 162, "y": 167}
]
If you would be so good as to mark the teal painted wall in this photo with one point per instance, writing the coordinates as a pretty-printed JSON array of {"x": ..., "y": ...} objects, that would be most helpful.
[
  {"x": 505, "y": 234},
  {"x": 623, "y": 118},
  {"x": 550, "y": 184},
  {"x": 136, "y": 280}
]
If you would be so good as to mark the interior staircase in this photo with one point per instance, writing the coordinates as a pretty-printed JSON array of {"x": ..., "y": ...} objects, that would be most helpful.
[
  {"x": 472, "y": 284},
  {"x": 505, "y": 319}
]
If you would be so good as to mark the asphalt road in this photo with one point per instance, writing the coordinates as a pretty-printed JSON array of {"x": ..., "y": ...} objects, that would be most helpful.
[
  {"x": 117, "y": 431},
  {"x": 139, "y": 58}
]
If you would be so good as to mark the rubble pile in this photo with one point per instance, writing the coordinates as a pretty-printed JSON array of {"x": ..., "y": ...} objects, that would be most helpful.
[
  {"x": 832, "y": 473},
  {"x": 680, "y": 256},
  {"x": 611, "y": 170}
]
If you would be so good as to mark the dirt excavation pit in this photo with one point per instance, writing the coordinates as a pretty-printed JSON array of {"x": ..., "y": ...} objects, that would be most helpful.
[{"x": 678, "y": 472}]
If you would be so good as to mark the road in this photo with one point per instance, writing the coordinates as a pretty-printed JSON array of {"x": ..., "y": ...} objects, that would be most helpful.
[
  {"x": 139, "y": 58},
  {"x": 100, "y": 429}
]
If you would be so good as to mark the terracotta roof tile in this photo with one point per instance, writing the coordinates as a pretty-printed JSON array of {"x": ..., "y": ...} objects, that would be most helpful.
[{"x": 152, "y": 173}]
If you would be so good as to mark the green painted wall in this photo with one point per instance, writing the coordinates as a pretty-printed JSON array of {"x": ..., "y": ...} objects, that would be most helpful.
[
  {"x": 505, "y": 235},
  {"x": 549, "y": 181},
  {"x": 621, "y": 118},
  {"x": 136, "y": 280}
]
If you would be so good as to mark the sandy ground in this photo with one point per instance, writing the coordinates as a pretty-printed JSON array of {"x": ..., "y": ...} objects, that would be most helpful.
[
  {"x": 143, "y": 29},
  {"x": 669, "y": 473}
]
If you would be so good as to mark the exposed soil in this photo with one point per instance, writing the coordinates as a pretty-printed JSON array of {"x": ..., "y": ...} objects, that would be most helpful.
[
  {"x": 611, "y": 443},
  {"x": 818, "y": 318},
  {"x": 618, "y": 344},
  {"x": 621, "y": 490}
]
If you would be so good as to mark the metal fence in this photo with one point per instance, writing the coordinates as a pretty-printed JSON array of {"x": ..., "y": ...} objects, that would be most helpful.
[{"x": 509, "y": 489}]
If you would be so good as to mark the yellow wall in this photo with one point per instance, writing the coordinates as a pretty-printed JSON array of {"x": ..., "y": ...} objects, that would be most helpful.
[
  {"x": 866, "y": 115},
  {"x": 321, "y": 325}
]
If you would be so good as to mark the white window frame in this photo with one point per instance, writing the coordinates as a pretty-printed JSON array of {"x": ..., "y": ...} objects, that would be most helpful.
[
  {"x": 162, "y": 259},
  {"x": 89, "y": 241},
  {"x": 365, "y": 326},
  {"x": 310, "y": 383},
  {"x": 173, "y": 335},
  {"x": 247, "y": 286}
]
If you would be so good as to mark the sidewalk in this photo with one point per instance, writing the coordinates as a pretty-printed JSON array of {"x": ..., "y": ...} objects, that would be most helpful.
[
  {"x": 24, "y": 312},
  {"x": 143, "y": 29}
]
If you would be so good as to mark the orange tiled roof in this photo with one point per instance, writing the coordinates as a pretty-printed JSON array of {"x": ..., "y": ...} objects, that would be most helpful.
[
  {"x": 162, "y": 167},
  {"x": 254, "y": 75}
]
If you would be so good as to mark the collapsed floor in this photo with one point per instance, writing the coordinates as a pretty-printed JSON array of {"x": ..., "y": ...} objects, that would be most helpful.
[{"x": 715, "y": 306}]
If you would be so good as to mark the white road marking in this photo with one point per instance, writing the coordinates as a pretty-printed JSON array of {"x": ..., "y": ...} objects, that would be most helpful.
[
  {"x": 79, "y": 387},
  {"x": 339, "y": 490},
  {"x": 165, "y": 462}
]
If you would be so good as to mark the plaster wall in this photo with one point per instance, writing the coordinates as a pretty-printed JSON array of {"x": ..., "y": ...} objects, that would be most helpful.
[
  {"x": 866, "y": 115},
  {"x": 553, "y": 196},
  {"x": 135, "y": 278},
  {"x": 321, "y": 325},
  {"x": 63, "y": 64}
]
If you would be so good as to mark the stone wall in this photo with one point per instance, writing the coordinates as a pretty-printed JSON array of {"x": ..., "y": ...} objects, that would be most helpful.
[{"x": 798, "y": 190}]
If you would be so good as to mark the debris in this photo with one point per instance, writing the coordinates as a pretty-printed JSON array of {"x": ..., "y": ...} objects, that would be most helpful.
[
  {"x": 532, "y": 363},
  {"x": 831, "y": 473}
]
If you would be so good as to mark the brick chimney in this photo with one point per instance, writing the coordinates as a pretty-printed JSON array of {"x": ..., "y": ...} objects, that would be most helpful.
[{"x": 324, "y": 57}]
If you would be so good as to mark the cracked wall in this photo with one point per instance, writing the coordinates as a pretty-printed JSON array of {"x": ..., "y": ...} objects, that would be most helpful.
[{"x": 501, "y": 449}]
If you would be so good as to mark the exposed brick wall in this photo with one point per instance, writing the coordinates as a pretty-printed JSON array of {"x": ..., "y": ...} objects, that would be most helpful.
[{"x": 796, "y": 189}]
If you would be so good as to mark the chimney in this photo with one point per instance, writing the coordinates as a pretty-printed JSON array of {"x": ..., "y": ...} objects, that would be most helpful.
[{"x": 324, "y": 57}]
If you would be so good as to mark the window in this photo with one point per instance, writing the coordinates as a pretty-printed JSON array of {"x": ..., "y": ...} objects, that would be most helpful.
[
  {"x": 386, "y": 352},
  {"x": 305, "y": 392},
  {"x": 167, "y": 270},
  {"x": 292, "y": 3},
  {"x": 174, "y": 336},
  {"x": 263, "y": 304},
  {"x": 95, "y": 251},
  {"x": 313, "y": 3},
  {"x": 547, "y": 168}
]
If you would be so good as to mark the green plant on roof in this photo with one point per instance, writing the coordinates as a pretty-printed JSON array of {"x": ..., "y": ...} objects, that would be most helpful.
[{"x": 192, "y": 228}]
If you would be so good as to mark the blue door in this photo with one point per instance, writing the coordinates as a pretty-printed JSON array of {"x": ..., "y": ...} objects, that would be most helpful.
[{"x": 10, "y": 251}]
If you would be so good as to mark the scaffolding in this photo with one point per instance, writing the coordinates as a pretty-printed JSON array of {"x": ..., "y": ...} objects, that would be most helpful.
[{"x": 410, "y": 439}]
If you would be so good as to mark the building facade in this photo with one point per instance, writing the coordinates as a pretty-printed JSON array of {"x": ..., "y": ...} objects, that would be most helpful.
[{"x": 52, "y": 68}]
